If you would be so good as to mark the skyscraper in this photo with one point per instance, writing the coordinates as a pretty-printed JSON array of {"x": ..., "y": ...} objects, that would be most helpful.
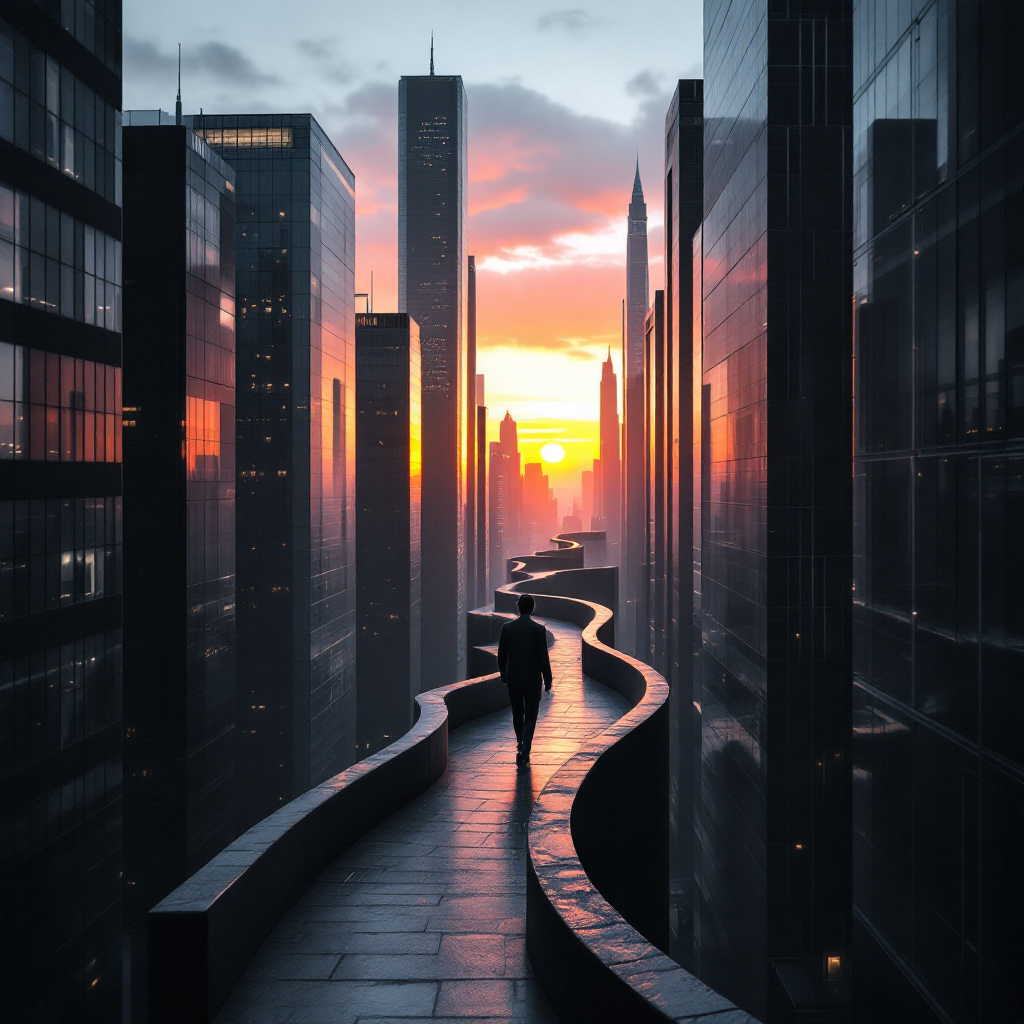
[
  {"x": 651, "y": 607},
  {"x": 179, "y": 499},
  {"x": 498, "y": 489},
  {"x": 60, "y": 513},
  {"x": 610, "y": 491},
  {"x": 938, "y": 621},
  {"x": 772, "y": 928},
  {"x": 482, "y": 571},
  {"x": 295, "y": 246},
  {"x": 432, "y": 268},
  {"x": 634, "y": 418},
  {"x": 684, "y": 176},
  {"x": 471, "y": 417},
  {"x": 516, "y": 529},
  {"x": 388, "y": 556},
  {"x": 587, "y": 500}
]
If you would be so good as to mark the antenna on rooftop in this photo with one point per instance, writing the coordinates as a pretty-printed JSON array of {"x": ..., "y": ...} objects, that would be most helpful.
[
  {"x": 177, "y": 102},
  {"x": 431, "y": 51}
]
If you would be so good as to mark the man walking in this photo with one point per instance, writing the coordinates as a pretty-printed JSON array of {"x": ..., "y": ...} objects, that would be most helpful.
[{"x": 522, "y": 662}]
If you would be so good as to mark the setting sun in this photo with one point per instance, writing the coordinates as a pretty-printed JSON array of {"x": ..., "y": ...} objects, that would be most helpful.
[{"x": 552, "y": 452}]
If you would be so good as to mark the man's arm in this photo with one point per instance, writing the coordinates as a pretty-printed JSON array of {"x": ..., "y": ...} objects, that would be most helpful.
[
  {"x": 545, "y": 661},
  {"x": 502, "y": 652}
]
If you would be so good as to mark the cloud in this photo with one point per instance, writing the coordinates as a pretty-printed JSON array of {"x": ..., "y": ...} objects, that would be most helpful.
[
  {"x": 644, "y": 84},
  {"x": 217, "y": 61},
  {"x": 575, "y": 21},
  {"x": 226, "y": 63},
  {"x": 143, "y": 59},
  {"x": 324, "y": 53}
]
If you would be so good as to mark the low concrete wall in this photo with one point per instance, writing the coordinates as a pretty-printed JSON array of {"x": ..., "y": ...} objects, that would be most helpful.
[
  {"x": 597, "y": 866},
  {"x": 204, "y": 934},
  {"x": 599, "y": 584}
]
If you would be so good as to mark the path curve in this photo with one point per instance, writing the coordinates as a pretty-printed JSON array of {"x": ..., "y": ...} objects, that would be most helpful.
[{"x": 425, "y": 917}]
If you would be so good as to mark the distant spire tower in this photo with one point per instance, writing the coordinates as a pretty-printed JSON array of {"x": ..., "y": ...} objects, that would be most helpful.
[
  {"x": 177, "y": 102},
  {"x": 431, "y": 52}
]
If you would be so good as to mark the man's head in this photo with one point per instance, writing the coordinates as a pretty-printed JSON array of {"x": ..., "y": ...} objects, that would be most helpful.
[{"x": 526, "y": 604}]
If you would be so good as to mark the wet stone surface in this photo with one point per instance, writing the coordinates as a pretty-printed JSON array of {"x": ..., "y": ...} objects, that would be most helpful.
[{"x": 425, "y": 918}]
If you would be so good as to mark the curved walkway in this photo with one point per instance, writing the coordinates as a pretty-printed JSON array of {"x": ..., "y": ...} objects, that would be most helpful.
[{"x": 424, "y": 918}]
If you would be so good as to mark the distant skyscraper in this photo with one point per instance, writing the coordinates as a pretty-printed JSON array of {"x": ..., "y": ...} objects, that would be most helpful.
[
  {"x": 540, "y": 522},
  {"x": 587, "y": 489},
  {"x": 471, "y": 446},
  {"x": 773, "y": 920},
  {"x": 179, "y": 561},
  {"x": 684, "y": 176},
  {"x": 652, "y": 633},
  {"x": 610, "y": 491},
  {"x": 60, "y": 513},
  {"x": 938, "y": 545},
  {"x": 634, "y": 454},
  {"x": 432, "y": 269},
  {"x": 295, "y": 293},
  {"x": 482, "y": 573},
  {"x": 516, "y": 528},
  {"x": 388, "y": 553},
  {"x": 498, "y": 488}
]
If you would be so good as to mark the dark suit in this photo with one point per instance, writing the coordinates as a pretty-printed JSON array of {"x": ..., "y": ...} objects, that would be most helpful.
[{"x": 523, "y": 662}]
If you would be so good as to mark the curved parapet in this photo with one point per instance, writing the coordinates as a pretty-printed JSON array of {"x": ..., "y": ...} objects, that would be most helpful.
[
  {"x": 597, "y": 871},
  {"x": 204, "y": 934}
]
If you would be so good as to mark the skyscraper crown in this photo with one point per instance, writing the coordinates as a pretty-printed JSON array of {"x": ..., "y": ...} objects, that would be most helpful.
[{"x": 638, "y": 189}]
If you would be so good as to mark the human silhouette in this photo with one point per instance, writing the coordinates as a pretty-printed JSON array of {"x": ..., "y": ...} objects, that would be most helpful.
[{"x": 523, "y": 662}]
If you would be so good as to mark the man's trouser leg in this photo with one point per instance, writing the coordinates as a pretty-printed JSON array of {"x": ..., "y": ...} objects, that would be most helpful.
[
  {"x": 517, "y": 699},
  {"x": 532, "y": 706}
]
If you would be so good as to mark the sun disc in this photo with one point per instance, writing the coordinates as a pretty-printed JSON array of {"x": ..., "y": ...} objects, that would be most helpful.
[{"x": 552, "y": 452}]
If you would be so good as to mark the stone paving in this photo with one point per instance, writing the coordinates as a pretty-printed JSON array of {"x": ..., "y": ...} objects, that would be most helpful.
[{"x": 425, "y": 918}]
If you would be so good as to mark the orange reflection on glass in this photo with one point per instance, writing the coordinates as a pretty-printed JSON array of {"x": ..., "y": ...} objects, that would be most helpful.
[{"x": 202, "y": 439}]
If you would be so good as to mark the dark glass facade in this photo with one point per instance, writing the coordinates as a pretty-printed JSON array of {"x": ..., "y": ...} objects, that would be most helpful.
[
  {"x": 635, "y": 433},
  {"x": 432, "y": 268},
  {"x": 179, "y": 468},
  {"x": 684, "y": 174},
  {"x": 295, "y": 543},
  {"x": 651, "y": 625},
  {"x": 938, "y": 772},
  {"x": 60, "y": 512},
  {"x": 388, "y": 485},
  {"x": 772, "y": 814}
]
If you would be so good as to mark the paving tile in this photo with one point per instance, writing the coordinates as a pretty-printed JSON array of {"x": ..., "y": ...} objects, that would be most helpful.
[
  {"x": 424, "y": 918},
  {"x": 490, "y": 998}
]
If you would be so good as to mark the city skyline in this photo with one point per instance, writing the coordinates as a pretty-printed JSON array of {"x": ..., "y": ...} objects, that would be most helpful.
[
  {"x": 546, "y": 231},
  {"x": 263, "y": 555}
]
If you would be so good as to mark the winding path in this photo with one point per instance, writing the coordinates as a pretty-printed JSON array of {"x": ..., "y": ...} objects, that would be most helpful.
[{"x": 424, "y": 918}]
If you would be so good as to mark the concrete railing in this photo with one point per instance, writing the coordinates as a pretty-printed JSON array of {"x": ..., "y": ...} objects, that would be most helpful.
[
  {"x": 597, "y": 866},
  {"x": 205, "y": 933}
]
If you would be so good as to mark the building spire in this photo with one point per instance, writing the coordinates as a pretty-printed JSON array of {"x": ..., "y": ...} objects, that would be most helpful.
[
  {"x": 638, "y": 189},
  {"x": 177, "y": 102},
  {"x": 431, "y": 51}
]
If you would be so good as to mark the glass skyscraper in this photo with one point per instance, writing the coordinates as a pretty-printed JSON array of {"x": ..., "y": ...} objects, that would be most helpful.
[
  {"x": 938, "y": 748},
  {"x": 388, "y": 511},
  {"x": 179, "y": 467},
  {"x": 772, "y": 816},
  {"x": 432, "y": 269},
  {"x": 60, "y": 512},
  {"x": 295, "y": 543},
  {"x": 633, "y": 638},
  {"x": 684, "y": 175}
]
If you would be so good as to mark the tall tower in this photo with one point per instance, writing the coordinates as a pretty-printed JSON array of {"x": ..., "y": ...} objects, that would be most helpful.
[
  {"x": 295, "y": 472},
  {"x": 610, "y": 456},
  {"x": 633, "y": 551},
  {"x": 508, "y": 437},
  {"x": 60, "y": 514},
  {"x": 432, "y": 271}
]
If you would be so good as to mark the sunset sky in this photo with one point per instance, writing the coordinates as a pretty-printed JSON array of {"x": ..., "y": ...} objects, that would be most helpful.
[{"x": 561, "y": 101}]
